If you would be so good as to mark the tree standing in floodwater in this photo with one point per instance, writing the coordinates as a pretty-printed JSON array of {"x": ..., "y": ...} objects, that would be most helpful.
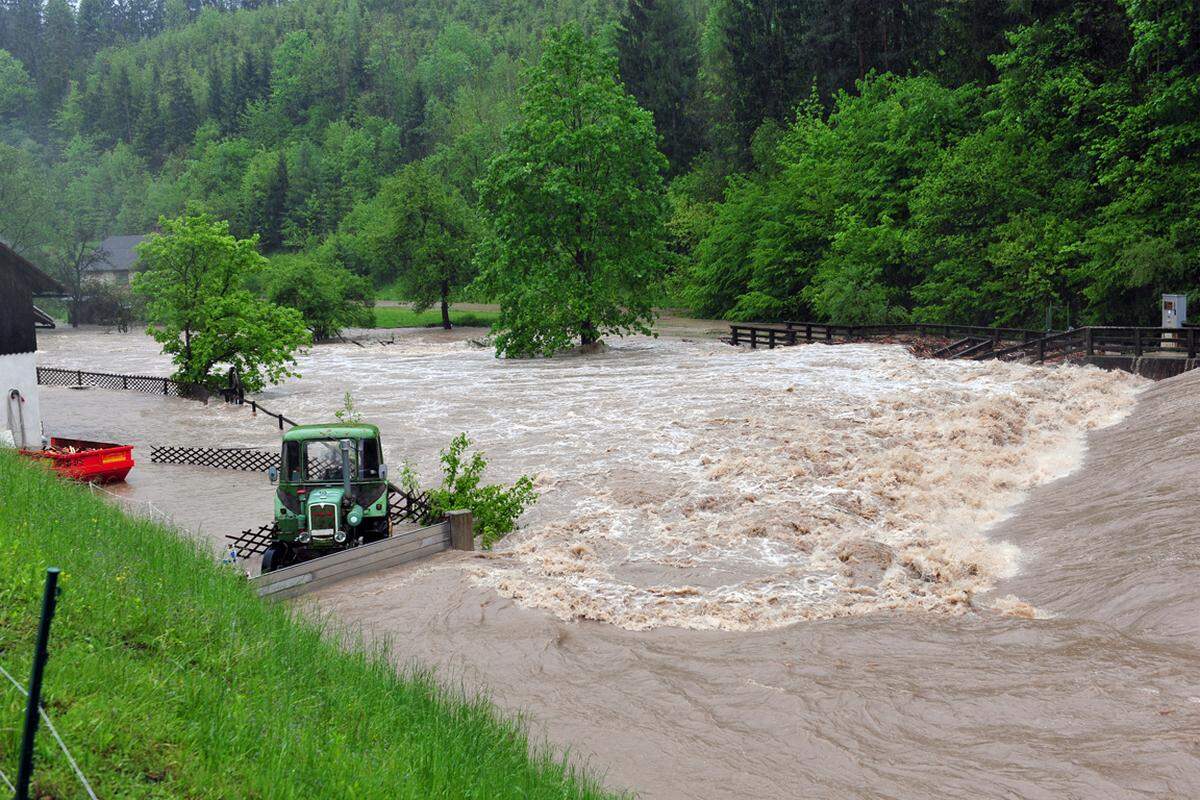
[
  {"x": 201, "y": 312},
  {"x": 576, "y": 206}
]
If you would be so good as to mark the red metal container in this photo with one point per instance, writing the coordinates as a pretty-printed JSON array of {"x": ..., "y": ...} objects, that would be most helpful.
[{"x": 94, "y": 462}]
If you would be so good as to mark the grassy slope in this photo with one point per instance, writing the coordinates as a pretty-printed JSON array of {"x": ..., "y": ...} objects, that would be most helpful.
[{"x": 168, "y": 678}]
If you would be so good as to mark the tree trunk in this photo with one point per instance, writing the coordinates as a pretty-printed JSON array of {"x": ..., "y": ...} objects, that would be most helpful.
[
  {"x": 446, "y": 305},
  {"x": 587, "y": 333}
]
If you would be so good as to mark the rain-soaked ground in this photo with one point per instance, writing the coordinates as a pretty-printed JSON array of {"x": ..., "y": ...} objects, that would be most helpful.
[{"x": 810, "y": 572}]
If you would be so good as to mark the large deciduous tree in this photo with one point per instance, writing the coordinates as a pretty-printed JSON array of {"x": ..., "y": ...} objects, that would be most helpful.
[
  {"x": 330, "y": 297},
  {"x": 425, "y": 230},
  {"x": 201, "y": 312},
  {"x": 577, "y": 206}
]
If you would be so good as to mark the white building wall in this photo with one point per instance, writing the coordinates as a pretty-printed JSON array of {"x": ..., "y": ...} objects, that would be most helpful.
[{"x": 19, "y": 372}]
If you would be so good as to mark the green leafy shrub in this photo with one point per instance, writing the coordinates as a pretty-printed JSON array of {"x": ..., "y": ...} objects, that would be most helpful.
[{"x": 495, "y": 508}]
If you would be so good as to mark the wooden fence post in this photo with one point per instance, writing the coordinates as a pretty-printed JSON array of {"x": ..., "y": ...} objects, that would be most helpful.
[
  {"x": 734, "y": 331},
  {"x": 1137, "y": 341},
  {"x": 1087, "y": 341},
  {"x": 462, "y": 530}
]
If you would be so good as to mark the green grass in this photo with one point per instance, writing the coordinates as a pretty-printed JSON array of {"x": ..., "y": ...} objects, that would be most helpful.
[
  {"x": 399, "y": 317},
  {"x": 53, "y": 306},
  {"x": 168, "y": 678}
]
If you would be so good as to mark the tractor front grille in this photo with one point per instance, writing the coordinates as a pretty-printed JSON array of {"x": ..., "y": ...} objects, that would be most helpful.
[{"x": 322, "y": 517}]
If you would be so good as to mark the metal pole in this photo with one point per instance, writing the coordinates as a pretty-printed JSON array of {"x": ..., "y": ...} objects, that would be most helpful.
[{"x": 40, "y": 654}]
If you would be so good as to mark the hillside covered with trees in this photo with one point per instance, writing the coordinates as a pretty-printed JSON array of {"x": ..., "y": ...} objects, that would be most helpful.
[{"x": 937, "y": 160}]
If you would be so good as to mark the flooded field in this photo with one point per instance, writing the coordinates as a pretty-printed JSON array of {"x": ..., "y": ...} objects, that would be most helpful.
[{"x": 809, "y": 572}]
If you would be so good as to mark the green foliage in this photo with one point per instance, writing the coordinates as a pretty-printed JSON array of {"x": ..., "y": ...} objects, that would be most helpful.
[
  {"x": 327, "y": 296},
  {"x": 26, "y": 205},
  {"x": 659, "y": 59},
  {"x": 16, "y": 89},
  {"x": 820, "y": 229},
  {"x": 170, "y": 679},
  {"x": 576, "y": 206},
  {"x": 417, "y": 234},
  {"x": 494, "y": 508},
  {"x": 348, "y": 414},
  {"x": 199, "y": 309},
  {"x": 926, "y": 159}
]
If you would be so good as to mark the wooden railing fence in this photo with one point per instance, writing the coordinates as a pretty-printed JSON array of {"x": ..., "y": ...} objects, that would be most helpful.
[{"x": 981, "y": 343}]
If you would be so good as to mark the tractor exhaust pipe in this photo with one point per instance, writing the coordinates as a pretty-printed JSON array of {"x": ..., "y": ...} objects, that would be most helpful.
[{"x": 345, "y": 445}]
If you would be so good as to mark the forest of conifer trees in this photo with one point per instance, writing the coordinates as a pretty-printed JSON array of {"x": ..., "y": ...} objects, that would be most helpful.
[{"x": 934, "y": 160}]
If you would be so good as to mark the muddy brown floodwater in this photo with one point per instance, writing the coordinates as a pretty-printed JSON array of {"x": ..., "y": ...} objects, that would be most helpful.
[{"x": 829, "y": 572}]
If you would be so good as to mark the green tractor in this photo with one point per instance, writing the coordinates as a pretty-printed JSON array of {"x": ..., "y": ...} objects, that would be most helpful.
[{"x": 333, "y": 493}]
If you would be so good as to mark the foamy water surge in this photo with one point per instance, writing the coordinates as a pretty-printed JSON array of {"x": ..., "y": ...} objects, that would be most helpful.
[
  {"x": 692, "y": 484},
  {"x": 818, "y": 482}
]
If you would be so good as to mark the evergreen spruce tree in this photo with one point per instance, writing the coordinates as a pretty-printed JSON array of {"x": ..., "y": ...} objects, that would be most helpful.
[
  {"x": 58, "y": 47},
  {"x": 659, "y": 58},
  {"x": 275, "y": 205}
]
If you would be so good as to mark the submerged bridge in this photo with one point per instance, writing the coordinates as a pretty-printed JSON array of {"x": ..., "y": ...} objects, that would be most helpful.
[{"x": 1152, "y": 352}]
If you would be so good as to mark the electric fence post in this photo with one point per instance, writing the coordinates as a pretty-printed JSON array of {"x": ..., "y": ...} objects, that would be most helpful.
[{"x": 40, "y": 654}]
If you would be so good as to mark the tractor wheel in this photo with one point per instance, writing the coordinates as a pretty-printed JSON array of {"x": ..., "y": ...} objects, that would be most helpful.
[
  {"x": 376, "y": 530},
  {"x": 277, "y": 556}
]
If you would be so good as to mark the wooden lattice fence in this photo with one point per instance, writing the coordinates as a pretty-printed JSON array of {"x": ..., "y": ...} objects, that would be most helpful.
[{"x": 240, "y": 458}]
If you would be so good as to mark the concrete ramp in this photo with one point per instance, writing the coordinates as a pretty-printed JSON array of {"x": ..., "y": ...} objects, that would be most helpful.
[{"x": 401, "y": 548}]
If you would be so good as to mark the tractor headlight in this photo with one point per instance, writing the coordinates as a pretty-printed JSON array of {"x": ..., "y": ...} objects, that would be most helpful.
[
  {"x": 355, "y": 516},
  {"x": 305, "y": 537}
]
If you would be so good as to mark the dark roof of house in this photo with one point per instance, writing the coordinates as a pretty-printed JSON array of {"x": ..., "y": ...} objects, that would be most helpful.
[
  {"x": 40, "y": 282},
  {"x": 117, "y": 253},
  {"x": 42, "y": 320}
]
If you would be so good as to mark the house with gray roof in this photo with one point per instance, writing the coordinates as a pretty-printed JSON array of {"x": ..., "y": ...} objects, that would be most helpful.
[{"x": 118, "y": 259}]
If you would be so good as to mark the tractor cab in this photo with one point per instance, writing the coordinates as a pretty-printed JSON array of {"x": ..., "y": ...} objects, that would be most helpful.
[{"x": 332, "y": 492}]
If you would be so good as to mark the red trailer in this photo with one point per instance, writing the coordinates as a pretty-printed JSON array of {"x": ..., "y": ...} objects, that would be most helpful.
[{"x": 94, "y": 462}]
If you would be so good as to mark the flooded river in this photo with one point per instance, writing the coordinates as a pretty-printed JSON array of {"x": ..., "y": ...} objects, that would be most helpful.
[{"x": 811, "y": 572}]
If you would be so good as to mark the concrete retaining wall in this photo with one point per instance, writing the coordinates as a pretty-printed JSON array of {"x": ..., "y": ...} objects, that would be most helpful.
[
  {"x": 1155, "y": 367},
  {"x": 399, "y": 549}
]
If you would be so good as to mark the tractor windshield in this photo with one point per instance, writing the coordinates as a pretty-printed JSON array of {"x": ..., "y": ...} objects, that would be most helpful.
[
  {"x": 320, "y": 460},
  {"x": 323, "y": 460}
]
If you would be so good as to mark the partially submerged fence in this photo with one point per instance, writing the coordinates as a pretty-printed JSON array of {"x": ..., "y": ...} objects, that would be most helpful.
[
  {"x": 455, "y": 531},
  {"x": 255, "y": 409},
  {"x": 782, "y": 334},
  {"x": 147, "y": 384},
  {"x": 1108, "y": 341},
  {"x": 979, "y": 343}
]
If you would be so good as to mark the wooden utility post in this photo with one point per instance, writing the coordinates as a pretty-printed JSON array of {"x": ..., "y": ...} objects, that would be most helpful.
[{"x": 462, "y": 530}]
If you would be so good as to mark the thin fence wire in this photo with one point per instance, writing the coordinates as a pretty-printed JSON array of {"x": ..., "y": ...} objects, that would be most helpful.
[
  {"x": 53, "y": 732},
  {"x": 7, "y": 782}
]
